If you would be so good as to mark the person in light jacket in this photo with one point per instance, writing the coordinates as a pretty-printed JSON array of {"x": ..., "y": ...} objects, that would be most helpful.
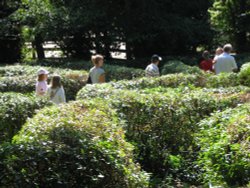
[{"x": 56, "y": 92}]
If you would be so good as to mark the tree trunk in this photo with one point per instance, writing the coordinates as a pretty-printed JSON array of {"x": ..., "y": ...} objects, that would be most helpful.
[{"x": 39, "y": 47}]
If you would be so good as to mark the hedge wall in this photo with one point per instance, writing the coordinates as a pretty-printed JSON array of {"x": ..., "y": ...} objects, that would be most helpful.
[
  {"x": 22, "y": 79},
  {"x": 162, "y": 125},
  {"x": 225, "y": 143},
  {"x": 15, "y": 109},
  {"x": 77, "y": 145}
]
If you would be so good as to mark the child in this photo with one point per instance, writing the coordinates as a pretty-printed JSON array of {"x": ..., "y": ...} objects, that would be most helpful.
[
  {"x": 41, "y": 85},
  {"x": 97, "y": 74},
  {"x": 218, "y": 52},
  {"x": 152, "y": 70},
  {"x": 56, "y": 91}
]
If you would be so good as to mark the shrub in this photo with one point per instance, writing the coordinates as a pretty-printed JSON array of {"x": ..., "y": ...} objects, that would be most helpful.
[
  {"x": 26, "y": 84},
  {"x": 222, "y": 80},
  {"x": 244, "y": 74},
  {"x": 172, "y": 81},
  {"x": 14, "y": 111},
  {"x": 25, "y": 70},
  {"x": 162, "y": 126},
  {"x": 224, "y": 141},
  {"x": 113, "y": 72},
  {"x": 76, "y": 145},
  {"x": 172, "y": 67}
]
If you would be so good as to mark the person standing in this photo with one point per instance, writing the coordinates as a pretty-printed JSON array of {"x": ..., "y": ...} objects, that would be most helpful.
[
  {"x": 56, "y": 92},
  {"x": 97, "y": 73},
  {"x": 207, "y": 63},
  {"x": 41, "y": 84},
  {"x": 152, "y": 70},
  {"x": 218, "y": 52},
  {"x": 225, "y": 62}
]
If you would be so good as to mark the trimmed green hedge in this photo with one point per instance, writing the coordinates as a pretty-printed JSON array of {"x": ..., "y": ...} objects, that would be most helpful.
[
  {"x": 168, "y": 81},
  {"x": 162, "y": 125},
  {"x": 172, "y": 67},
  {"x": 24, "y": 84},
  {"x": 244, "y": 74},
  {"x": 225, "y": 143},
  {"x": 15, "y": 109},
  {"x": 113, "y": 72},
  {"x": 76, "y": 145}
]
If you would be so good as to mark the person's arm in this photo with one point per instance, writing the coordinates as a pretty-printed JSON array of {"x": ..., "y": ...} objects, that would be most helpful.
[
  {"x": 234, "y": 66},
  {"x": 102, "y": 78}
]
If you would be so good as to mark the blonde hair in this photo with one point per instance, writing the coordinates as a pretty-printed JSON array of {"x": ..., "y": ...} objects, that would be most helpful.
[{"x": 96, "y": 58}]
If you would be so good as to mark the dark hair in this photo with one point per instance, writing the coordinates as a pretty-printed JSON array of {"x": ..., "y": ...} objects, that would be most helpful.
[
  {"x": 206, "y": 55},
  {"x": 56, "y": 82}
]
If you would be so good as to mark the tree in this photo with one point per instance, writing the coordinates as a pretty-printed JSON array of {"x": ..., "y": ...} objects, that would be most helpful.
[
  {"x": 147, "y": 27},
  {"x": 231, "y": 20},
  {"x": 10, "y": 43}
]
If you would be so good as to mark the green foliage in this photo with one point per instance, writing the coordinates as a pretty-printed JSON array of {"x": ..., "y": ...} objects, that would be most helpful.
[
  {"x": 22, "y": 79},
  {"x": 244, "y": 74},
  {"x": 116, "y": 73},
  {"x": 15, "y": 109},
  {"x": 76, "y": 145},
  {"x": 161, "y": 126},
  {"x": 172, "y": 67},
  {"x": 230, "y": 18},
  {"x": 223, "y": 80},
  {"x": 225, "y": 140},
  {"x": 113, "y": 72},
  {"x": 10, "y": 43}
]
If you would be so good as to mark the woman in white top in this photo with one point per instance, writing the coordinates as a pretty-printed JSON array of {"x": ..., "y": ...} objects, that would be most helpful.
[{"x": 56, "y": 91}]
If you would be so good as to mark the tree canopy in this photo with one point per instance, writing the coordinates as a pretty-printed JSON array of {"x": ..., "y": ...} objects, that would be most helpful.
[{"x": 164, "y": 26}]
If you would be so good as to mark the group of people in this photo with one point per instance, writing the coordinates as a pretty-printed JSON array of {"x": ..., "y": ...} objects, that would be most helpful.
[
  {"x": 55, "y": 90},
  {"x": 222, "y": 61}
]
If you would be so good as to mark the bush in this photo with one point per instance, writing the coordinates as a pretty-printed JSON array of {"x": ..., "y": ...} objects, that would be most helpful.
[
  {"x": 113, "y": 72},
  {"x": 244, "y": 74},
  {"x": 172, "y": 81},
  {"x": 15, "y": 109},
  {"x": 162, "y": 126},
  {"x": 224, "y": 141},
  {"x": 25, "y": 70},
  {"x": 77, "y": 145},
  {"x": 22, "y": 79},
  {"x": 172, "y": 67},
  {"x": 222, "y": 80}
]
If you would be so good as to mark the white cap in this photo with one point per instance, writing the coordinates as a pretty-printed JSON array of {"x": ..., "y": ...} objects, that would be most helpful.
[{"x": 42, "y": 71}]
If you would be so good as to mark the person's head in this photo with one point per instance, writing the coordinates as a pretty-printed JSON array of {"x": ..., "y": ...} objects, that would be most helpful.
[
  {"x": 155, "y": 59},
  {"x": 219, "y": 51},
  {"x": 56, "y": 82},
  {"x": 206, "y": 55},
  {"x": 97, "y": 60},
  {"x": 42, "y": 75},
  {"x": 228, "y": 48}
]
